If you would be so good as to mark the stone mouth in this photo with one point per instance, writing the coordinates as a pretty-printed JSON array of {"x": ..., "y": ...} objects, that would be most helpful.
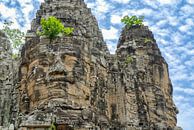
[{"x": 61, "y": 78}]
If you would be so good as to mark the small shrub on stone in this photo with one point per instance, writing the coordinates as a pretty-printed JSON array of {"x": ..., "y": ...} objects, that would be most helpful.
[
  {"x": 148, "y": 40},
  {"x": 128, "y": 60},
  {"x": 14, "y": 56},
  {"x": 53, "y": 27},
  {"x": 132, "y": 21},
  {"x": 52, "y": 127}
]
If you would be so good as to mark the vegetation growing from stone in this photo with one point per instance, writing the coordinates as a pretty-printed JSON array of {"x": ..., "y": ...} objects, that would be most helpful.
[
  {"x": 148, "y": 40},
  {"x": 83, "y": 85},
  {"x": 15, "y": 36},
  {"x": 52, "y": 127},
  {"x": 53, "y": 27},
  {"x": 14, "y": 56},
  {"x": 128, "y": 60},
  {"x": 132, "y": 21}
]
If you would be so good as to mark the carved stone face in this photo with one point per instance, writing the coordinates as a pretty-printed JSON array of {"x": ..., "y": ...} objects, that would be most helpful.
[{"x": 49, "y": 76}]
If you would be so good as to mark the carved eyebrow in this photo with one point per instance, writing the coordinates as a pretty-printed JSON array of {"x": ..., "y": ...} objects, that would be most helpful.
[
  {"x": 44, "y": 61},
  {"x": 69, "y": 53},
  {"x": 70, "y": 50}
]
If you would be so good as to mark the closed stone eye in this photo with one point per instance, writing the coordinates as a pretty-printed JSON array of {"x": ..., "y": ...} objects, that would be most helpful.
[{"x": 44, "y": 62}]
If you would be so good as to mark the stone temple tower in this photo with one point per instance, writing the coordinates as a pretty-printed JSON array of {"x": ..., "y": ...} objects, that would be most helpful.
[
  {"x": 58, "y": 81},
  {"x": 74, "y": 82},
  {"x": 145, "y": 77}
]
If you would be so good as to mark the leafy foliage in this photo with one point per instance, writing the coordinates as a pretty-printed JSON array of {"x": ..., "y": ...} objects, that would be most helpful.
[
  {"x": 148, "y": 40},
  {"x": 15, "y": 36},
  {"x": 52, "y": 27},
  {"x": 14, "y": 56},
  {"x": 68, "y": 30},
  {"x": 52, "y": 127},
  {"x": 132, "y": 21},
  {"x": 128, "y": 60}
]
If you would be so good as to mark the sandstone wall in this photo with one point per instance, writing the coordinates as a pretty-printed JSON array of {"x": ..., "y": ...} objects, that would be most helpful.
[
  {"x": 77, "y": 84},
  {"x": 146, "y": 80},
  {"x": 60, "y": 81}
]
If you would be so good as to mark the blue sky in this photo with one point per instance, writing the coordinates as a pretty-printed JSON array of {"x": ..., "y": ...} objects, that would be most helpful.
[{"x": 172, "y": 22}]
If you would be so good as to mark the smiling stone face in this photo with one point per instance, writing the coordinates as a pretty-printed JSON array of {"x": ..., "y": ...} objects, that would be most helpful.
[
  {"x": 54, "y": 80},
  {"x": 49, "y": 74}
]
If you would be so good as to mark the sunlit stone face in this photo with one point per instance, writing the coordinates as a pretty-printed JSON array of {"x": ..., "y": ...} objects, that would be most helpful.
[{"x": 49, "y": 76}]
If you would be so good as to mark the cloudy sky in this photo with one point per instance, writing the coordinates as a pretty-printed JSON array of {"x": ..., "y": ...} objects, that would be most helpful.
[{"x": 172, "y": 22}]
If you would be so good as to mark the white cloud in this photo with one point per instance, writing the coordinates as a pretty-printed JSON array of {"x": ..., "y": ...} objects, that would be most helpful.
[
  {"x": 143, "y": 12},
  {"x": 168, "y": 1},
  {"x": 41, "y": 1},
  {"x": 152, "y": 3},
  {"x": 185, "y": 116},
  {"x": 190, "y": 63},
  {"x": 116, "y": 19},
  {"x": 162, "y": 41},
  {"x": 139, "y": 12},
  {"x": 91, "y": 5},
  {"x": 99, "y": 8},
  {"x": 160, "y": 31},
  {"x": 180, "y": 98},
  {"x": 9, "y": 14},
  {"x": 111, "y": 47},
  {"x": 146, "y": 23},
  {"x": 185, "y": 90},
  {"x": 27, "y": 7},
  {"x": 177, "y": 38},
  {"x": 186, "y": 27},
  {"x": 173, "y": 20},
  {"x": 110, "y": 34},
  {"x": 190, "y": 21},
  {"x": 122, "y": 1},
  {"x": 182, "y": 75},
  {"x": 162, "y": 22},
  {"x": 187, "y": 10},
  {"x": 190, "y": 1},
  {"x": 102, "y": 6}
]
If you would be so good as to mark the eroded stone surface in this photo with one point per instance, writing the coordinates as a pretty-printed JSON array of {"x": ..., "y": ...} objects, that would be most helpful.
[
  {"x": 146, "y": 80},
  {"x": 76, "y": 83},
  {"x": 59, "y": 80},
  {"x": 6, "y": 81}
]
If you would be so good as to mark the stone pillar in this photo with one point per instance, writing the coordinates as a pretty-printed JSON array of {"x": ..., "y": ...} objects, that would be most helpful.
[{"x": 6, "y": 80}]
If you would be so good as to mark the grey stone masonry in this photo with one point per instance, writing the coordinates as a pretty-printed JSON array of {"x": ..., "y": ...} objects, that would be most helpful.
[{"x": 6, "y": 80}]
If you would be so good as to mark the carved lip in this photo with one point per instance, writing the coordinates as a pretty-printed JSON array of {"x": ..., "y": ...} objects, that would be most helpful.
[{"x": 61, "y": 79}]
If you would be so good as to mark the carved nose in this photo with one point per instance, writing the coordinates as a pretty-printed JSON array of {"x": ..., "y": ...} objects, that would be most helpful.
[{"x": 57, "y": 68}]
